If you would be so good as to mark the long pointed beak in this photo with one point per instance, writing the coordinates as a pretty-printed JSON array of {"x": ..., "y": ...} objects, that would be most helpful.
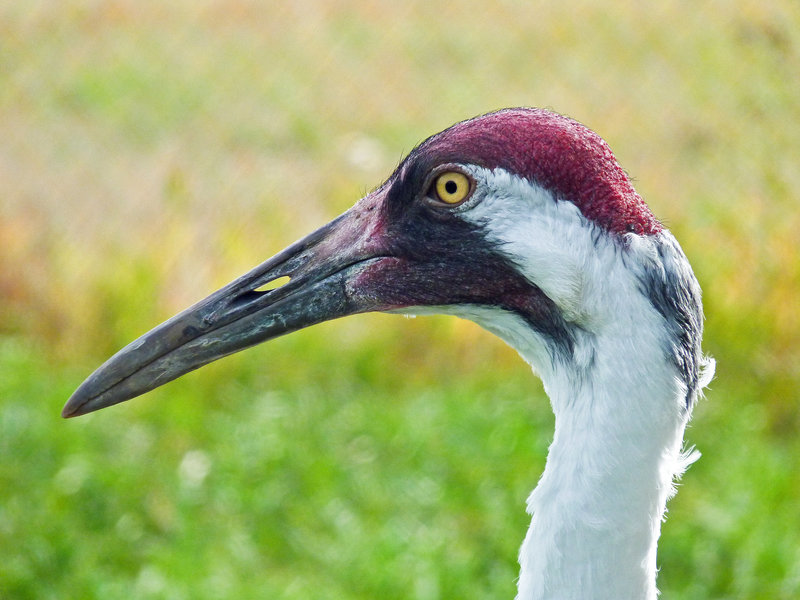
[{"x": 320, "y": 268}]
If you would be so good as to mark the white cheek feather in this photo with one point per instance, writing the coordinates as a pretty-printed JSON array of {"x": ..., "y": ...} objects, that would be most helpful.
[
  {"x": 547, "y": 240},
  {"x": 569, "y": 258}
]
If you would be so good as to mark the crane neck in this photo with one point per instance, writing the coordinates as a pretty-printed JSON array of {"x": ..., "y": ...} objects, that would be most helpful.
[{"x": 616, "y": 450}]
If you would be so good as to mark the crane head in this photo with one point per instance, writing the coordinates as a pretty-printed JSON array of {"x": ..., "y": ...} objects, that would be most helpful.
[{"x": 514, "y": 213}]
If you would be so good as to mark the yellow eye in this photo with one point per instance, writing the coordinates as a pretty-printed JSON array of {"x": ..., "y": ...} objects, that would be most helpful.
[{"x": 452, "y": 187}]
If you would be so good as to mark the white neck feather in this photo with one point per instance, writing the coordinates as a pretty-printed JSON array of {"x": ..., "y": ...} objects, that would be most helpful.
[{"x": 598, "y": 508}]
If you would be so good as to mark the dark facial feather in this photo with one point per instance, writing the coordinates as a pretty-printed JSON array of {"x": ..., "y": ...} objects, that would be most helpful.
[{"x": 444, "y": 260}]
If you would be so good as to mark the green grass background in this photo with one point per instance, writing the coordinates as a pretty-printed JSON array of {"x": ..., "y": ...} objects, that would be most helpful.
[{"x": 150, "y": 152}]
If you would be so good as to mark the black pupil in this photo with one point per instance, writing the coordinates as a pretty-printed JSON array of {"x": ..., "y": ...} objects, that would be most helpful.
[{"x": 450, "y": 187}]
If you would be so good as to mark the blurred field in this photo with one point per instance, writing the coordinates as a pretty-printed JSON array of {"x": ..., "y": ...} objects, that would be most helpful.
[{"x": 151, "y": 152}]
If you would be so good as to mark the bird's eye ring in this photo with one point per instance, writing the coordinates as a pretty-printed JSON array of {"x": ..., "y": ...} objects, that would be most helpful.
[{"x": 451, "y": 187}]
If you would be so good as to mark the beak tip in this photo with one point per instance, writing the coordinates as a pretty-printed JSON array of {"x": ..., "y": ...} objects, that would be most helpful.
[
  {"x": 75, "y": 407},
  {"x": 85, "y": 399}
]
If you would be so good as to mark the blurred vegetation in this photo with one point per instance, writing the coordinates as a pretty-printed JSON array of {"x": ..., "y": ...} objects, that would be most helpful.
[{"x": 150, "y": 152}]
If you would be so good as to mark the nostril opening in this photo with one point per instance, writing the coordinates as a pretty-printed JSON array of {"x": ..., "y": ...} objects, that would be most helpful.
[
  {"x": 273, "y": 284},
  {"x": 256, "y": 293}
]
